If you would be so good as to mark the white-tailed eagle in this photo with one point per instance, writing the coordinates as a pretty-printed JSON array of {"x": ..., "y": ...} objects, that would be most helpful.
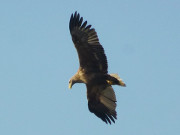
[{"x": 93, "y": 70}]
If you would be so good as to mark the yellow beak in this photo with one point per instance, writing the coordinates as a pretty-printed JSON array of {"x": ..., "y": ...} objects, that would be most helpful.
[{"x": 70, "y": 86}]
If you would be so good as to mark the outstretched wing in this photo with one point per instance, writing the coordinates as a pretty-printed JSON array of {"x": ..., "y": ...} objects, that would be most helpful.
[
  {"x": 102, "y": 102},
  {"x": 90, "y": 52}
]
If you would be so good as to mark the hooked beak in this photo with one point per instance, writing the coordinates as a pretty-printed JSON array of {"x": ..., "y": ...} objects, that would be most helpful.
[{"x": 70, "y": 85}]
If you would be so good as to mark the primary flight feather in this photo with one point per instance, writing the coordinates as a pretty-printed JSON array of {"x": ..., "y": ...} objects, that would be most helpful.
[{"x": 93, "y": 70}]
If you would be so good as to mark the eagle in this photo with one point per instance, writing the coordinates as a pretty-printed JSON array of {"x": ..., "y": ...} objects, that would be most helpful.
[{"x": 93, "y": 70}]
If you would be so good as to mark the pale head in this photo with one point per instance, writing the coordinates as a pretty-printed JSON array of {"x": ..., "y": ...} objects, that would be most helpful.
[{"x": 74, "y": 79}]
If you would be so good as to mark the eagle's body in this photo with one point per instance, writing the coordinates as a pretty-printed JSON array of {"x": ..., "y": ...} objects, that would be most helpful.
[{"x": 93, "y": 70}]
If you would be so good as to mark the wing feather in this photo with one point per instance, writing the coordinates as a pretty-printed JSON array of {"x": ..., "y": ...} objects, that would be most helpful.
[
  {"x": 91, "y": 53},
  {"x": 102, "y": 102}
]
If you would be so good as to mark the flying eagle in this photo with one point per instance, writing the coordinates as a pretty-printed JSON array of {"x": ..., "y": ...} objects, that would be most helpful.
[{"x": 93, "y": 70}]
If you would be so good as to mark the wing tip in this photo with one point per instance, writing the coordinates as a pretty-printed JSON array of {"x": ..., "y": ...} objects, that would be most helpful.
[
  {"x": 76, "y": 21},
  {"x": 104, "y": 113}
]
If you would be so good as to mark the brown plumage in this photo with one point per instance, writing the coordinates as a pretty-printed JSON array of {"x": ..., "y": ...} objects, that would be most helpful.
[{"x": 93, "y": 70}]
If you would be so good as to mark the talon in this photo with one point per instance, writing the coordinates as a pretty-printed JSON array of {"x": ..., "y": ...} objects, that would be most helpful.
[{"x": 109, "y": 82}]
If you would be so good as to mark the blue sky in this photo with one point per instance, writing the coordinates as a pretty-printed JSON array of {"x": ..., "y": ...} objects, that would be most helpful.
[{"x": 37, "y": 58}]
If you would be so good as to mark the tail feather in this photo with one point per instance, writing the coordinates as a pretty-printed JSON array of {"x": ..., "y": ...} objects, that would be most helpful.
[{"x": 121, "y": 83}]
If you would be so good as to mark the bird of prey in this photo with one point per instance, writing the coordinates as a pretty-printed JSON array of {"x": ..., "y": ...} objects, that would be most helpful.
[{"x": 93, "y": 70}]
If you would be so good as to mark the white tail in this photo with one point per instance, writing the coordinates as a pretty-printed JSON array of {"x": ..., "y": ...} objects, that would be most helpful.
[{"x": 119, "y": 79}]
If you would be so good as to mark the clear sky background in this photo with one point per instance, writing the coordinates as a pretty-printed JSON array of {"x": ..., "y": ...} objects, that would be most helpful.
[{"x": 141, "y": 39}]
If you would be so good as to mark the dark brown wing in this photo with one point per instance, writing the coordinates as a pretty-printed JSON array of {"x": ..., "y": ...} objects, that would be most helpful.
[
  {"x": 102, "y": 102},
  {"x": 90, "y": 52}
]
